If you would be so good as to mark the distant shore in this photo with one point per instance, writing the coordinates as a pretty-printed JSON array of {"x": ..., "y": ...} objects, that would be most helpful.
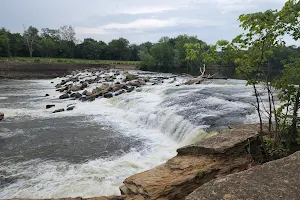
[{"x": 43, "y": 69}]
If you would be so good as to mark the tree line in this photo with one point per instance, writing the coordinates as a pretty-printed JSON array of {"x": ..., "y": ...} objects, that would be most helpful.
[{"x": 167, "y": 55}]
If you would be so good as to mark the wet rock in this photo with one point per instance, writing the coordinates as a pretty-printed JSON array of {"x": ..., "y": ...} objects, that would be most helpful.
[
  {"x": 70, "y": 108},
  {"x": 64, "y": 96},
  {"x": 83, "y": 99},
  {"x": 108, "y": 95},
  {"x": 130, "y": 89},
  {"x": 47, "y": 95},
  {"x": 58, "y": 86},
  {"x": 75, "y": 88},
  {"x": 76, "y": 95},
  {"x": 52, "y": 82},
  {"x": 59, "y": 110},
  {"x": 1, "y": 116},
  {"x": 50, "y": 106},
  {"x": 85, "y": 92},
  {"x": 84, "y": 85}
]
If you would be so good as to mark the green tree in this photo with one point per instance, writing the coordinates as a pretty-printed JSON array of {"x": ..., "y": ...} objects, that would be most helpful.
[
  {"x": 119, "y": 49},
  {"x": 4, "y": 43},
  {"x": 163, "y": 55}
]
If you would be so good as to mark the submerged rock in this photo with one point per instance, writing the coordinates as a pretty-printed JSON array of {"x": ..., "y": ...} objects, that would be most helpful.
[
  {"x": 59, "y": 110},
  {"x": 70, "y": 108},
  {"x": 64, "y": 96},
  {"x": 50, "y": 106},
  {"x": 1, "y": 116},
  {"x": 108, "y": 95}
]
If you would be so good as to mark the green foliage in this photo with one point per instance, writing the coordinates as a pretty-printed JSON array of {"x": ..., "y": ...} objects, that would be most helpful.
[{"x": 277, "y": 150}]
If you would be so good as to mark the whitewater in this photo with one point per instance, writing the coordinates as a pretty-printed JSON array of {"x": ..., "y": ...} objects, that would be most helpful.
[{"x": 89, "y": 151}]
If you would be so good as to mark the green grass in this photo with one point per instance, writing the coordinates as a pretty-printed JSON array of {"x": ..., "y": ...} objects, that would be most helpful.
[{"x": 66, "y": 60}]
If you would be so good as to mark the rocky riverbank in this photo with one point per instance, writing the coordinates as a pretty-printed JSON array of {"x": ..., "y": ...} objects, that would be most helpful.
[{"x": 23, "y": 70}]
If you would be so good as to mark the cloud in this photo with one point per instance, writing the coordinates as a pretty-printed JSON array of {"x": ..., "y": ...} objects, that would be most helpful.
[
  {"x": 146, "y": 24},
  {"x": 144, "y": 10},
  {"x": 136, "y": 20}
]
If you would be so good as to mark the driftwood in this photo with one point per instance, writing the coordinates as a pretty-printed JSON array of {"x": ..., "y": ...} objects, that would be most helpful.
[{"x": 200, "y": 78}]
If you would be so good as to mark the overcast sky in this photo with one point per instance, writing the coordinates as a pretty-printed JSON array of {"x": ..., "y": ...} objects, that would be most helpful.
[{"x": 136, "y": 20}]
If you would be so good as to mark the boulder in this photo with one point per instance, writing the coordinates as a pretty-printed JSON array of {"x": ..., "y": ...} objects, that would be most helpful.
[
  {"x": 70, "y": 108},
  {"x": 226, "y": 142},
  {"x": 76, "y": 95},
  {"x": 59, "y": 110},
  {"x": 85, "y": 92},
  {"x": 108, "y": 95},
  {"x": 64, "y": 96},
  {"x": 84, "y": 85},
  {"x": 276, "y": 180},
  {"x": 75, "y": 88},
  {"x": 130, "y": 89},
  {"x": 50, "y": 106},
  {"x": 1, "y": 116},
  {"x": 58, "y": 86}
]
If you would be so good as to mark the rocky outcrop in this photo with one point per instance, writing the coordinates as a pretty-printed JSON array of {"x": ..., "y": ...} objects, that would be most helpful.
[
  {"x": 221, "y": 154},
  {"x": 279, "y": 179}
]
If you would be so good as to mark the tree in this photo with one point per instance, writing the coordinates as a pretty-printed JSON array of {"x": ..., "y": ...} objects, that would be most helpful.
[
  {"x": 30, "y": 35},
  {"x": 4, "y": 43},
  {"x": 147, "y": 61},
  {"x": 68, "y": 41},
  {"x": 17, "y": 44},
  {"x": 119, "y": 49},
  {"x": 163, "y": 55}
]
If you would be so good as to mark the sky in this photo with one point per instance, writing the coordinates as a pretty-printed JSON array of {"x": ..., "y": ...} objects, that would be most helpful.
[{"x": 136, "y": 20}]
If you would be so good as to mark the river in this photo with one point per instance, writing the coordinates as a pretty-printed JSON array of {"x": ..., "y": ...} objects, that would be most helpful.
[{"x": 90, "y": 151}]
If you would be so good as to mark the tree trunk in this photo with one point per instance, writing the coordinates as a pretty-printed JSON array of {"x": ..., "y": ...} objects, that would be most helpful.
[
  {"x": 258, "y": 109},
  {"x": 295, "y": 115}
]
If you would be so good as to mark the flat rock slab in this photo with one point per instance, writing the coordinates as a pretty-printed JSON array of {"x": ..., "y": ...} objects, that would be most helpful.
[
  {"x": 278, "y": 179},
  {"x": 180, "y": 176},
  {"x": 223, "y": 142}
]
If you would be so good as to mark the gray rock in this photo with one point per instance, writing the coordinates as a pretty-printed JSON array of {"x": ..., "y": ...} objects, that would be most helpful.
[
  {"x": 70, "y": 108},
  {"x": 50, "y": 106},
  {"x": 108, "y": 95},
  {"x": 58, "y": 86},
  {"x": 85, "y": 92},
  {"x": 223, "y": 142},
  {"x": 276, "y": 180},
  {"x": 64, "y": 96},
  {"x": 59, "y": 110},
  {"x": 76, "y": 95}
]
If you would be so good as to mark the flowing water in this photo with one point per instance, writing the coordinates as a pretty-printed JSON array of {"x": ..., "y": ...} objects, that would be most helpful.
[{"x": 89, "y": 151}]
